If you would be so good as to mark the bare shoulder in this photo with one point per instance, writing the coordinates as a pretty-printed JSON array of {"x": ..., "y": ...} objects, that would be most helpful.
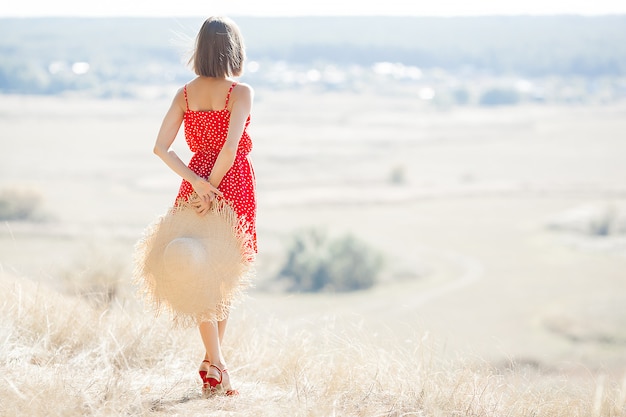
[
  {"x": 180, "y": 93},
  {"x": 243, "y": 91},
  {"x": 179, "y": 98}
]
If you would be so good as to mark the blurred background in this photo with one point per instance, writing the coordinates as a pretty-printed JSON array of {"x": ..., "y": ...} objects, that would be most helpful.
[
  {"x": 454, "y": 171},
  {"x": 446, "y": 61}
]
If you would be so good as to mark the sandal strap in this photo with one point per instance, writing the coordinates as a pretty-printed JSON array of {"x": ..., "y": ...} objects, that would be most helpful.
[
  {"x": 218, "y": 370},
  {"x": 221, "y": 371}
]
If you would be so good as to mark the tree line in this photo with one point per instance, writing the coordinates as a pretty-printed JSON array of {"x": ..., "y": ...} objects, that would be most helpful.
[{"x": 151, "y": 50}]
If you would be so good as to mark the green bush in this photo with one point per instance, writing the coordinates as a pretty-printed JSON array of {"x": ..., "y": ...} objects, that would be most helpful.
[
  {"x": 316, "y": 262},
  {"x": 20, "y": 204},
  {"x": 398, "y": 175},
  {"x": 461, "y": 96}
]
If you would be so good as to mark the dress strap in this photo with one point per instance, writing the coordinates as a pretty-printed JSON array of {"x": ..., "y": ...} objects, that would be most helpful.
[
  {"x": 230, "y": 90},
  {"x": 187, "y": 102}
]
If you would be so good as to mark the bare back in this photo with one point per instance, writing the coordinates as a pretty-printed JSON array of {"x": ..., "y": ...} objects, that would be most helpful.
[{"x": 208, "y": 94}]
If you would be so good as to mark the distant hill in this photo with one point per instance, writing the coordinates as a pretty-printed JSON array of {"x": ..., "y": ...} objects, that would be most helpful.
[
  {"x": 38, "y": 54},
  {"x": 528, "y": 45}
]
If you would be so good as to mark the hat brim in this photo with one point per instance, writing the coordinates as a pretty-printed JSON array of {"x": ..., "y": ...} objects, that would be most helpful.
[{"x": 196, "y": 267}]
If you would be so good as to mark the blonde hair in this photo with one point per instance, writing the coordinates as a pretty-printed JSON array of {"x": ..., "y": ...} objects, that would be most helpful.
[{"x": 219, "y": 50}]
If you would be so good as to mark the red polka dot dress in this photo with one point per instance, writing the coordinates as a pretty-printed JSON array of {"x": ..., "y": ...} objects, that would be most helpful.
[{"x": 205, "y": 133}]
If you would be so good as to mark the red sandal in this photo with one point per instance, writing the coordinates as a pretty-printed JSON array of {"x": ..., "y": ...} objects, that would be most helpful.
[
  {"x": 205, "y": 380},
  {"x": 215, "y": 382}
]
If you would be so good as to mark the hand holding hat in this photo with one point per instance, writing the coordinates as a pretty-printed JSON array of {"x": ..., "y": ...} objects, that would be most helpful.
[{"x": 195, "y": 266}]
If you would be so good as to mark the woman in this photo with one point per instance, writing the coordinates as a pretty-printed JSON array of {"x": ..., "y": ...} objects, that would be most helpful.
[{"x": 216, "y": 112}]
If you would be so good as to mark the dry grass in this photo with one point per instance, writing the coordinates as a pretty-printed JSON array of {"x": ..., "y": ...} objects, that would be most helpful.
[
  {"x": 96, "y": 277},
  {"x": 64, "y": 356}
]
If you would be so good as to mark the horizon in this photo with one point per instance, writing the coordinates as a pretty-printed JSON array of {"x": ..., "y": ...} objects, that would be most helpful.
[
  {"x": 329, "y": 16},
  {"x": 322, "y": 8}
]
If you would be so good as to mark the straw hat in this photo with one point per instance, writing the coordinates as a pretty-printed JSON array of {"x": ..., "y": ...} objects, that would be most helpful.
[{"x": 194, "y": 266}]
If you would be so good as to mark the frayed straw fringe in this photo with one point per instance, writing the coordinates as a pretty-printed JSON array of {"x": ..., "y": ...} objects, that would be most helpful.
[{"x": 146, "y": 282}]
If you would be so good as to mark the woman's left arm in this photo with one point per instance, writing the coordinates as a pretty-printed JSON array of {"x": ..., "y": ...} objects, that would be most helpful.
[
  {"x": 241, "y": 98},
  {"x": 169, "y": 129}
]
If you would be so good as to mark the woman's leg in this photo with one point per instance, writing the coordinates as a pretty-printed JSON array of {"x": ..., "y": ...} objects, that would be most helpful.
[
  {"x": 221, "y": 329},
  {"x": 210, "y": 333},
  {"x": 206, "y": 332}
]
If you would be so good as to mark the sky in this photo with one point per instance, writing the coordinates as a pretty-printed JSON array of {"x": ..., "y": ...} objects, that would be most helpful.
[{"x": 192, "y": 8}]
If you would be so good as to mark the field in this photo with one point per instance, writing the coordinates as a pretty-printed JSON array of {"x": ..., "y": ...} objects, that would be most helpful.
[{"x": 503, "y": 230}]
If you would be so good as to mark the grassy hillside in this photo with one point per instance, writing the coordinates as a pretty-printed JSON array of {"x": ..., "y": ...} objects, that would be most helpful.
[
  {"x": 65, "y": 357},
  {"x": 486, "y": 309}
]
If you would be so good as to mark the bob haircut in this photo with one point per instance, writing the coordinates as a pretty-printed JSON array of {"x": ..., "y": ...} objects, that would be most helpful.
[{"x": 220, "y": 50}]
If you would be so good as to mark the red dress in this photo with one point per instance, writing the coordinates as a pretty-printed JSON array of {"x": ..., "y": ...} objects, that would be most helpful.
[{"x": 205, "y": 133}]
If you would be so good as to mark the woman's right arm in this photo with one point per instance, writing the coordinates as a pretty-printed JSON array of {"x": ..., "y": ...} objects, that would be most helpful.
[{"x": 169, "y": 129}]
